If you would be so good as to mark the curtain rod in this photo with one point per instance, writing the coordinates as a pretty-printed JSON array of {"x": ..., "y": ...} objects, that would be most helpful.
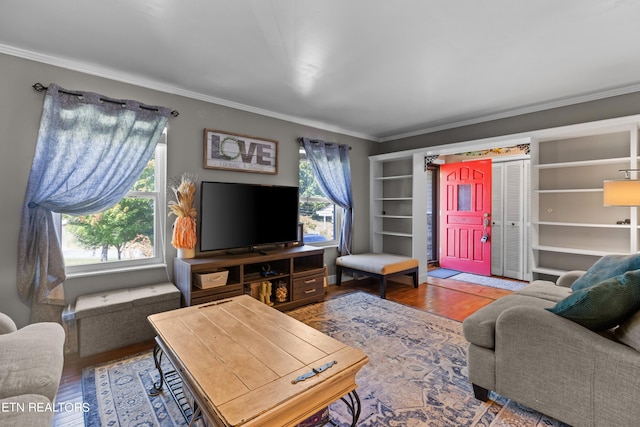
[
  {"x": 315, "y": 141},
  {"x": 41, "y": 88}
]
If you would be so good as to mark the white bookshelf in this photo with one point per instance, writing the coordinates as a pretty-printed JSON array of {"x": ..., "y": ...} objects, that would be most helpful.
[
  {"x": 391, "y": 205},
  {"x": 571, "y": 227}
]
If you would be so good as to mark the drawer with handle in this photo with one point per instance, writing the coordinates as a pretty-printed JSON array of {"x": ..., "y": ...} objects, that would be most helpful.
[{"x": 309, "y": 286}]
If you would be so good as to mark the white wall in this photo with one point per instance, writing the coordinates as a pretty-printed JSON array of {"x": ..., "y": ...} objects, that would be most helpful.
[{"x": 20, "y": 111}]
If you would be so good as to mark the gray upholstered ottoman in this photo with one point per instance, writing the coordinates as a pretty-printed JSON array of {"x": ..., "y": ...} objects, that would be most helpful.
[{"x": 115, "y": 319}]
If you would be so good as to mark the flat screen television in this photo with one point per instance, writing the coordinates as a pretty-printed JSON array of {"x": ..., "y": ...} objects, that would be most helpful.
[{"x": 235, "y": 216}]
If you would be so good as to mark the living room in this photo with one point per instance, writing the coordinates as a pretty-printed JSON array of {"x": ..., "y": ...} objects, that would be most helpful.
[{"x": 22, "y": 109}]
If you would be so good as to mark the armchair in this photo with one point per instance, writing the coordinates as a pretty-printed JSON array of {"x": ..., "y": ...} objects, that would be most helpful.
[{"x": 31, "y": 361}]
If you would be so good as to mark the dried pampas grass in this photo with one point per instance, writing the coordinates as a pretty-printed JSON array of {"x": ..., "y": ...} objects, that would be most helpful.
[{"x": 184, "y": 227}]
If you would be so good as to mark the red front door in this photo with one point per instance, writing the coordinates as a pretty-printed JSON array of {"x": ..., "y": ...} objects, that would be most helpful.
[{"x": 465, "y": 216}]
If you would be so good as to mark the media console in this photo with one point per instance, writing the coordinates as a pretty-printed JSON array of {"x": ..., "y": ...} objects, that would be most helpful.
[{"x": 300, "y": 269}]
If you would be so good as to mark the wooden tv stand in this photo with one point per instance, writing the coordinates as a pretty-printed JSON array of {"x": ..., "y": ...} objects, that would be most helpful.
[{"x": 300, "y": 268}]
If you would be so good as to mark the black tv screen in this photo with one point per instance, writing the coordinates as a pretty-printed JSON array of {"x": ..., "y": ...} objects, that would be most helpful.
[{"x": 234, "y": 215}]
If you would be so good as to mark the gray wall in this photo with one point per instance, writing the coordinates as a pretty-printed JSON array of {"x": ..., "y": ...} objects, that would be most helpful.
[
  {"x": 20, "y": 111},
  {"x": 21, "y": 107},
  {"x": 607, "y": 108}
]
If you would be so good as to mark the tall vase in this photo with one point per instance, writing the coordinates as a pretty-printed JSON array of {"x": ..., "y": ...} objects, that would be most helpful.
[
  {"x": 184, "y": 234},
  {"x": 186, "y": 253}
]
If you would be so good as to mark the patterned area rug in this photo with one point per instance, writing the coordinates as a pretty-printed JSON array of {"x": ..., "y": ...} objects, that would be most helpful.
[
  {"x": 117, "y": 394},
  {"x": 494, "y": 282},
  {"x": 416, "y": 375}
]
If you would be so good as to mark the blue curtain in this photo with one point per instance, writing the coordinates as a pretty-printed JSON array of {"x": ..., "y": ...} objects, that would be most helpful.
[
  {"x": 89, "y": 153},
  {"x": 332, "y": 170}
]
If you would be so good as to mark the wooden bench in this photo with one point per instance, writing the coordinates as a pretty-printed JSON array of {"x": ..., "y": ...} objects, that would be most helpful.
[{"x": 378, "y": 265}]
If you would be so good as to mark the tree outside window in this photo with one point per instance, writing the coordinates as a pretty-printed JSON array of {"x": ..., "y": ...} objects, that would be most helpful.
[
  {"x": 124, "y": 233},
  {"x": 317, "y": 212}
]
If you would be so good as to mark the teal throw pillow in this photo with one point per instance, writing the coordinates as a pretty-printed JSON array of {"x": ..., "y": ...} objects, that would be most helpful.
[
  {"x": 605, "y": 268},
  {"x": 604, "y": 305}
]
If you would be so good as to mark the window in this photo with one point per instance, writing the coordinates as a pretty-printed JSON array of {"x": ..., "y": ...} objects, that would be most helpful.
[
  {"x": 319, "y": 216},
  {"x": 126, "y": 235}
]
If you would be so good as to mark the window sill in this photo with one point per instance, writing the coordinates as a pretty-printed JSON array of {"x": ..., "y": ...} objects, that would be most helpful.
[
  {"x": 116, "y": 270},
  {"x": 326, "y": 245}
]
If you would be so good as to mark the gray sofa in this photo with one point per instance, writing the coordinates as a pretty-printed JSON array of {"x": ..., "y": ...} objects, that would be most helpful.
[
  {"x": 31, "y": 361},
  {"x": 524, "y": 352}
]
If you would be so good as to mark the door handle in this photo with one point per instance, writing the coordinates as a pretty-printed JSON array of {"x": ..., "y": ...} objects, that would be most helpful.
[{"x": 486, "y": 221}]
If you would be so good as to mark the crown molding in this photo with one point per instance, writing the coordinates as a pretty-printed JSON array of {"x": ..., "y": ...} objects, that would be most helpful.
[
  {"x": 162, "y": 87},
  {"x": 519, "y": 111},
  {"x": 137, "y": 80}
]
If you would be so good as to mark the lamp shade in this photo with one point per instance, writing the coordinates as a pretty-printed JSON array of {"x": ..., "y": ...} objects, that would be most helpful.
[{"x": 624, "y": 192}]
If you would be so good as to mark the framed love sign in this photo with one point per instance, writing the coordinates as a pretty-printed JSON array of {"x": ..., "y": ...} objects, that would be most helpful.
[{"x": 232, "y": 151}]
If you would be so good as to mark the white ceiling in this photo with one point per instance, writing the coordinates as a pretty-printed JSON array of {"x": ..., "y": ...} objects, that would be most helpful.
[{"x": 378, "y": 69}]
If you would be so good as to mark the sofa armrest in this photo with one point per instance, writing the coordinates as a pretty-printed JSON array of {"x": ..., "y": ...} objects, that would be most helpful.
[
  {"x": 32, "y": 360},
  {"x": 560, "y": 368},
  {"x": 567, "y": 279},
  {"x": 7, "y": 325}
]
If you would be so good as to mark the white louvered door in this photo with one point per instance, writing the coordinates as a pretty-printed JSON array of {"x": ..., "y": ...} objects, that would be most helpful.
[
  {"x": 526, "y": 181},
  {"x": 496, "y": 219},
  {"x": 514, "y": 196},
  {"x": 511, "y": 225}
]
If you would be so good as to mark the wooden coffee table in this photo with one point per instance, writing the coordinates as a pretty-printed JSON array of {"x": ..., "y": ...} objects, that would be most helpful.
[{"x": 247, "y": 364}]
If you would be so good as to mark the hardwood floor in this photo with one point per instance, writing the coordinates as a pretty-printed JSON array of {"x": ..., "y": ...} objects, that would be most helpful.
[{"x": 446, "y": 297}]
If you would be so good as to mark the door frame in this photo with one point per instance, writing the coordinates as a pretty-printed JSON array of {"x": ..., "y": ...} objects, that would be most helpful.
[
  {"x": 435, "y": 218},
  {"x": 419, "y": 156}
]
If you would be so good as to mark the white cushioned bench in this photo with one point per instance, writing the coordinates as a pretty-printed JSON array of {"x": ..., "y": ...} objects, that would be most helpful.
[
  {"x": 379, "y": 265},
  {"x": 115, "y": 319}
]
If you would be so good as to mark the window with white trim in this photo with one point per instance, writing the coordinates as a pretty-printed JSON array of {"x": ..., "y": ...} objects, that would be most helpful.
[
  {"x": 130, "y": 234},
  {"x": 320, "y": 217}
]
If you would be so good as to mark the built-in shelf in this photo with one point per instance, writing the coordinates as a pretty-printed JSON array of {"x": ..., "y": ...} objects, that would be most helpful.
[
  {"x": 393, "y": 233},
  {"x": 390, "y": 178},
  {"x": 391, "y": 205},
  {"x": 577, "y": 251},
  {"x": 581, "y": 163},
  {"x": 580, "y": 224},
  {"x": 571, "y": 226},
  {"x": 549, "y": 271},
  {"x": 570, "y": 190}
]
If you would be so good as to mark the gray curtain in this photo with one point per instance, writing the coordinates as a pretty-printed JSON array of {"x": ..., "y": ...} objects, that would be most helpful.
[
  {"x": 332, "y": 170},
  {"x": 89, "y": 153}
]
